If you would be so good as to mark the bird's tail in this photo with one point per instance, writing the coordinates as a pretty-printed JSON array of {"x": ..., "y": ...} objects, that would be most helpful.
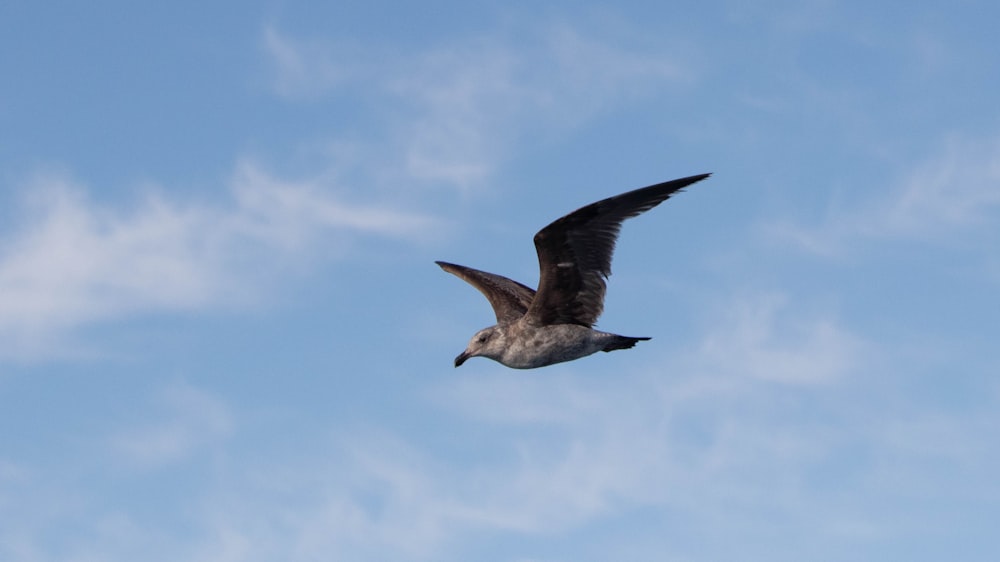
[{"x": 622, "y": 342}]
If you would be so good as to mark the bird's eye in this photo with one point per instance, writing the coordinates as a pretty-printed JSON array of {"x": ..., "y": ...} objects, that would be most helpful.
[{"x": 482, "y": 339}]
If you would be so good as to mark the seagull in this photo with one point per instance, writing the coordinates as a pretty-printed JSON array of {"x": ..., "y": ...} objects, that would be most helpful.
[{"x": 555, "y": 324}]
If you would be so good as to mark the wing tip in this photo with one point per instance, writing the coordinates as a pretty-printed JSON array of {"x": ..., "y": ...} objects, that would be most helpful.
[
  {"x": 687, "y": 182},
  {"x": 452, "y": 268},
  {"x": 696, "y": 178}
]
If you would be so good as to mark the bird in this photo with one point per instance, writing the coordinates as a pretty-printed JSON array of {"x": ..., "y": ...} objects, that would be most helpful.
[{"x": 556, "y": 323}]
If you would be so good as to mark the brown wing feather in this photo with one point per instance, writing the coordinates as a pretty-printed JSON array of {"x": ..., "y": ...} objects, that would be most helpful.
[
  {"x": 574, "y": 254},
  {"x": 509, "y": 299}
]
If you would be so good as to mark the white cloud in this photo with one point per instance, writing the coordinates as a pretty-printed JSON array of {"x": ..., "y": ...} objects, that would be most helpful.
[
  {"x": 755, "y": 336},
  {"x": 293, "y": 213},
  {"x": 71, "y": 261},
  {"x": 463, "y": 107}
]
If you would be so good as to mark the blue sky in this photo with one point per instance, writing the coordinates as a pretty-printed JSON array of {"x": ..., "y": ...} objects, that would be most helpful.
[{"x": 223, "y": 336}]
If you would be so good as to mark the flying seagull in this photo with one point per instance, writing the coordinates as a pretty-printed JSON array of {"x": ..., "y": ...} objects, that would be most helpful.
[{"x": 555, "y": 324}]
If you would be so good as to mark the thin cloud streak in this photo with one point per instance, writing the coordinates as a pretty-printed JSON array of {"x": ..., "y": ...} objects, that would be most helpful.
[
  {"x": 302, "y": 70},
  {"x": 193, "y": 420},
  {"x": 72, "y": 261},
  {"x": 953, "y": 192}
]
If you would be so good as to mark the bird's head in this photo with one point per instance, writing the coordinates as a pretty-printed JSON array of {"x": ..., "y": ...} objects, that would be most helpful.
[{"x": 488, "y": 342}]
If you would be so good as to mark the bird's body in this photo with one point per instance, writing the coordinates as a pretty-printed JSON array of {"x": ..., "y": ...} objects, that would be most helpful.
[
  {"x": 555, "y": 324},
  {"x": 521, "y": 345}
]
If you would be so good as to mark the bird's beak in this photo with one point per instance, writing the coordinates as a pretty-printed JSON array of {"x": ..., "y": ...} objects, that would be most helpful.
[{"x": 461, "y": 358}]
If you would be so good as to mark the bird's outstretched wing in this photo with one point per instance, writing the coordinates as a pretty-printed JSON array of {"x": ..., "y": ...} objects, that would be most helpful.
[
  {"x": 574, "y": 254},
  {"x": 509, "y": 299}
]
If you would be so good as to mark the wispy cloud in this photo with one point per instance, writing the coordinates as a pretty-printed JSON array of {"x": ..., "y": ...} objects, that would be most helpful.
[
  {"x": 291, "y": 213},
  {"x": 463, "y": 107},
  {"x": 192, "y": 420},
  {"x": 685, "y": 437},
  {"x": 70, "y": 260},
  {"x": 304, "y": 69},
  {"x": 758, "y": 337},
  {"x": 954, "y": 191},
  {"x": 957, "y": 189}
]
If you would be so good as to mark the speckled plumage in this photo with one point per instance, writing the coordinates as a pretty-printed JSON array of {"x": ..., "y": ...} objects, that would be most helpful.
[{"x": 574, "y": 257}]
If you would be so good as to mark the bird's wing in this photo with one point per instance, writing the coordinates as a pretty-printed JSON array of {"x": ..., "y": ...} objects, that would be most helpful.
[
  {"x": 574, "y": 254},
  {"x": 509, "y": 299}
]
